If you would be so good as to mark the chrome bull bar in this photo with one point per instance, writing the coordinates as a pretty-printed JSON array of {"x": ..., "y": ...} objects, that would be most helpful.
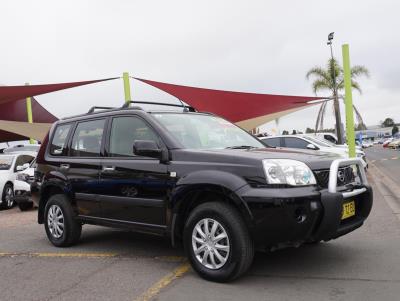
[{"x": 333, "y": 176}]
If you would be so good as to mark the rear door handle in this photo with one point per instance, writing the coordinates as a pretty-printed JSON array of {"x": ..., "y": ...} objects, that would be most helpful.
[
  {"x": 108, "y": 168},
  {"x": 64, "y": 166}
]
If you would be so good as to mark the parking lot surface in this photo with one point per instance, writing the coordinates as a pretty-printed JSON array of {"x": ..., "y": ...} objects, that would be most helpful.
[{"x": 111, "y": 264}]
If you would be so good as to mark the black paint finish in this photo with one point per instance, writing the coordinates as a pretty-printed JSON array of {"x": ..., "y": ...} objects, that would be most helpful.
[{"x": 152, "y": 195}]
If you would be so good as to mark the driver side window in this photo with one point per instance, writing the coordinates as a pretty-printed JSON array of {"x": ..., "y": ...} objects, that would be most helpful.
[{"x": 124, "y": 131}]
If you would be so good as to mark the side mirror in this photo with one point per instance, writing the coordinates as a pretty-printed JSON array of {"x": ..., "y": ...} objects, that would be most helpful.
[
  {"x": 146, "y": 148},
  {"x": 312, "y": 146}
]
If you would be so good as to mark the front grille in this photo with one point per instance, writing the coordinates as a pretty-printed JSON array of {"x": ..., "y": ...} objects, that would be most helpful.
[{"x": 345, "y": 176}]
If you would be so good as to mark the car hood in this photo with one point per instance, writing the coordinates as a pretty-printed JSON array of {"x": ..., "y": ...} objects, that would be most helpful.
[{"x": 314, "y": 159}]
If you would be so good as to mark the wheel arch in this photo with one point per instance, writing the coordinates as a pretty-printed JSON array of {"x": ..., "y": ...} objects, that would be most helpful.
[
  {"x": 202, "y": 187},
  {"x": 46, "y": 191}
]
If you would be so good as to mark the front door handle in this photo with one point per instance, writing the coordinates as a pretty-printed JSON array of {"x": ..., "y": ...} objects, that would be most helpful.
[
  {"x": 64, "y": 166},
  {"x": 108, "y": 168}
]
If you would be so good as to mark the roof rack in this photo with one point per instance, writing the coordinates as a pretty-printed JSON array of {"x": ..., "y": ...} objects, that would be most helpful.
[
  {"x": 181, "y": 105},
  {"x": 93, "y": 109}
]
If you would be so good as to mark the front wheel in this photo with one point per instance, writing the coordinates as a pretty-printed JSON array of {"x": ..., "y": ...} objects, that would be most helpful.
[
  {"x": 8, "y": 196},
  {"x": 62, "y": 228},
  {"x": 217, "y": 242}
]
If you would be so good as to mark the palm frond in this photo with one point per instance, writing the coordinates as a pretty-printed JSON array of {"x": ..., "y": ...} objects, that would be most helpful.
[
  {"x": 356, "y": 86},
  {"x": 318, "y": 72},
  {"x": 358, "y": 71},
  {"x": 320, "y": 84}
]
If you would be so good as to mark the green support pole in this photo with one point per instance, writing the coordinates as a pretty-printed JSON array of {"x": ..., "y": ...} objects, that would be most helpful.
[
  {"x": 29, "y": 113},
  {"x": 351, "y": 142},
  {"x": 127, "y": 87}
]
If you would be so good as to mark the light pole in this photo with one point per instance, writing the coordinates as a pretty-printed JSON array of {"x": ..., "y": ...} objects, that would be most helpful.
[{"x": 335, "y": 94}]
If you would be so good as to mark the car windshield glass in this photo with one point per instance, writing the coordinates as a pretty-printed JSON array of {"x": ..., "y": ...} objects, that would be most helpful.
[
  {"x": 5, "y": 162},
  {"x": 197, "y": 131},
  {"x": 318, "y": 142}
]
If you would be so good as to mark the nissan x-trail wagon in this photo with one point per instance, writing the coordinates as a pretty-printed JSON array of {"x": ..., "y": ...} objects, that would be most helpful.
[{"x": 196, "y": 179}]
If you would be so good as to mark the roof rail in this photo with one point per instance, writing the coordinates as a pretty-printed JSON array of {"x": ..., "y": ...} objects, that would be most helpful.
[
  {"x": 185, "y": 107},
  {"x": 92, "y": 109}
]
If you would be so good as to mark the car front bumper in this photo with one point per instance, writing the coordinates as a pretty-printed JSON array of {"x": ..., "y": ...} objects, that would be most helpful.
[{"x": 284, "y": 217}]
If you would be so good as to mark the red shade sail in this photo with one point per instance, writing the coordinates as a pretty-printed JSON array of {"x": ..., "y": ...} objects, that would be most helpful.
[
  {"x": 248, "y": 110},
  {"x": 11, "y": 93},
  {"x": 13, "y": 115}
]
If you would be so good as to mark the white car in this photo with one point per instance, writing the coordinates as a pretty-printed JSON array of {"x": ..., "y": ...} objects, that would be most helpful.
[
  {"x": 312, "y": 143},
  {"x": 22, "y": 187},
  {"x": 10, "y": 165}
]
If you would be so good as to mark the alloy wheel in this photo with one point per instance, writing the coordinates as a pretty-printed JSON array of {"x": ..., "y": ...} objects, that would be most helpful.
[
  {"x": 55, "y": 221},
  {"x": 210, "y": 243}
]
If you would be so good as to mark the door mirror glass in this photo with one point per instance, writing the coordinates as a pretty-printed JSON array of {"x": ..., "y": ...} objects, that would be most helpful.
[
  {"x": 146, "y": 148},
  {"x": 312, "y": 146}
]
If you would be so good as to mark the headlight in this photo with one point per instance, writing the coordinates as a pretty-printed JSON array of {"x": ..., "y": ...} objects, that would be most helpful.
[
  {"x": 22, "y": 177},
  {"x": 289, "y": 172}
]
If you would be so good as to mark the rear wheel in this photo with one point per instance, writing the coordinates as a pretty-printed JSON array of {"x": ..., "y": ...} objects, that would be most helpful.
[
  {"x": 217, "y": 242},
  {"x": 8, "y": 196},
  {"x": 61, "y": 226}
]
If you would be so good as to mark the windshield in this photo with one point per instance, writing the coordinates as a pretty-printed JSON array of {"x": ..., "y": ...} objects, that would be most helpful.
[
  {"x": 198, "y": 131},
  {"x": 319, "y": 142},
  {"x": 6, "y": 162}
]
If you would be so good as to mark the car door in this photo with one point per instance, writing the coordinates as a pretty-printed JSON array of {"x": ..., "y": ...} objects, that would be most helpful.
[
  {"x": 81, "y": 164},
  {"x": 133, "y": 188}
]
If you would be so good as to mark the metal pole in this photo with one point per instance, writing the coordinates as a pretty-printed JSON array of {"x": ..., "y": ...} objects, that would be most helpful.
[
  {"x": 336, "y": 101},
  {"x": 348, "y": 101},
  {"x": 127, "y": 87},
  {"x": 29, "y": 113}
]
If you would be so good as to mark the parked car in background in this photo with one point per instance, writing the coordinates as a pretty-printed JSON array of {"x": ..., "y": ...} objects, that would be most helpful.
[
  {"x": 395, "y": 144},
  {"x": 311, "y": 143},
  {"x": 367, "y": 143},
  {"x": 22, "y": 148},
  {"x": 320, "y": 138},
  {"x": 386, "y": 142},
  {"x": 22, "y": 187},
  {"x": 327, "y": 136},
  {"x": 10, "y": 165}
]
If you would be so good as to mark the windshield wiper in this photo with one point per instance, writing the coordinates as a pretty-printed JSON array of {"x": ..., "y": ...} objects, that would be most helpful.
[{"x": 240, "y": 147}]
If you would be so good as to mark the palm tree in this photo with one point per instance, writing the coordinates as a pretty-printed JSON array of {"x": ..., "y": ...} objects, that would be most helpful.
[{"x": 331, "y": 79}]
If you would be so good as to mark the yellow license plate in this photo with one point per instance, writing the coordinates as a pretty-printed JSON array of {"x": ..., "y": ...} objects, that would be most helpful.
[{"x": 349, "y": 209}]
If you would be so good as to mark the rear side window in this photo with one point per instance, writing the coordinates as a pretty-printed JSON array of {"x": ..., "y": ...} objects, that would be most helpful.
[
  {"x": 59, "y": 143},
  {"x": 124, "y": 131},
  {"x": 295, "y": 143},
  {"x": 273, "y": 142},
  {"x": 87, "y": 138}
]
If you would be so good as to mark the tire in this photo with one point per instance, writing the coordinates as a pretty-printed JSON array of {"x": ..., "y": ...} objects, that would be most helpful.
[
  {"x": 25, "y": 206},
  {"x": 58, "y": 211},
  {"x": 238, "y": 258},
  {"x": 7, "y": 197}
]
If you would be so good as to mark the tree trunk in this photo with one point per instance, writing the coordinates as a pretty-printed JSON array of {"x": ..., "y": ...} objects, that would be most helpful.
[{"x": 338, "y": 119}]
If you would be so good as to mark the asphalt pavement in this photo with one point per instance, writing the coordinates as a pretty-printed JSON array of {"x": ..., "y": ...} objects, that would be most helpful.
[{"x": 111, "y": 264}]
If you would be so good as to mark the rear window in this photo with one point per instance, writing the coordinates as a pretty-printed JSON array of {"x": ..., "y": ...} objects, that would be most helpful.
[
  {"x": 87, "y": 138},
  {"x": 59, "y": 143}
]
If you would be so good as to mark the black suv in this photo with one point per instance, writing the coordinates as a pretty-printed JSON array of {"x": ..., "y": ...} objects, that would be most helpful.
[{"x": 197, "y": 179}]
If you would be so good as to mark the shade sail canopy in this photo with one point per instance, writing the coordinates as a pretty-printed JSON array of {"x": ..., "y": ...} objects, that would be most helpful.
[
  {"x": 13, "y": 117},
  {"x": 11, "y": 93},
  {"x": 248, "y": 110},
  {"x": 17, "y": 130}
]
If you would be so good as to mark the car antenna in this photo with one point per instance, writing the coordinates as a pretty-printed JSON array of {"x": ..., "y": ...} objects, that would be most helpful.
[{"x": 185, "y": 109}]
